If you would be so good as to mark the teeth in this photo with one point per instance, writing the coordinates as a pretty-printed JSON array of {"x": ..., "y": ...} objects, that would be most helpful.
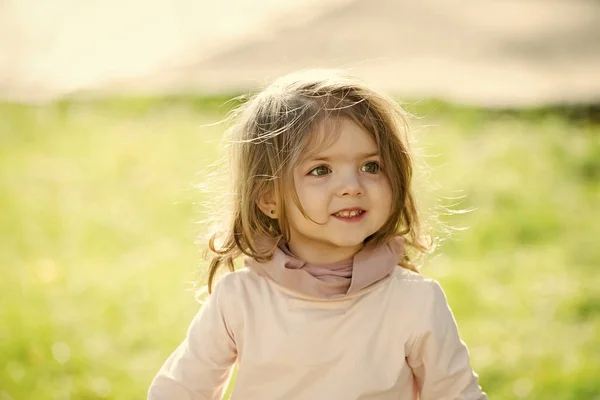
[{"x": 347, "y": 214}]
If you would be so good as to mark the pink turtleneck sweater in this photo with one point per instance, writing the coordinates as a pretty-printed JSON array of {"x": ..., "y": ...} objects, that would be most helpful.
[
  {"x": 370, "y": 331},
  {"x": 367, "y": 267}
]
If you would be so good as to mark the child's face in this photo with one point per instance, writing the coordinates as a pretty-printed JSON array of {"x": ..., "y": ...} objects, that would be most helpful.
[{"x": 344, "y": 192}]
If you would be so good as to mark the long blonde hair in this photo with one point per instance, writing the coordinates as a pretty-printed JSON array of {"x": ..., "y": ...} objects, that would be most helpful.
[{"x": 271, "y": 133}]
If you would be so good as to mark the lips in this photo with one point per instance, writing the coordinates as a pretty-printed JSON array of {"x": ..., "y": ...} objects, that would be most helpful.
[{"x": 349, "y": 213}]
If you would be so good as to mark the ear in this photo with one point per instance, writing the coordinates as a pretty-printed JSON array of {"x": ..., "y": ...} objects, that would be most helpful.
[{"x": 268, "y": 204}]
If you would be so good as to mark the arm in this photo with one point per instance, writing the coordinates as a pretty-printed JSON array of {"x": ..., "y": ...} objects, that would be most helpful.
[
  {"x": 199, "y": 368},
  {"x": 438, "y": 358}
]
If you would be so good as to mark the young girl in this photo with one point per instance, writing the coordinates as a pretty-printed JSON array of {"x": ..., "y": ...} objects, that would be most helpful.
[{"x": 329, "y": 305}]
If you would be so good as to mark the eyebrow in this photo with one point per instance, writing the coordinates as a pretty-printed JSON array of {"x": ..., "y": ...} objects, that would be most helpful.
[{"x": 317, "y": 157}]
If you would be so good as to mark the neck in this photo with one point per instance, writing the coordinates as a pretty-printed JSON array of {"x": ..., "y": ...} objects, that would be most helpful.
[{"x": 316, "y": 255}]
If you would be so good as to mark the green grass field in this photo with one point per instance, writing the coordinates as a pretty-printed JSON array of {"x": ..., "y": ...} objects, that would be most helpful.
[{"x": 97, "y": 223}]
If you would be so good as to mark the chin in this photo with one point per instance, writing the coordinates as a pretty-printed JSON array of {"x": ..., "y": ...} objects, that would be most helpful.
[{"x": 351, "y": 242}]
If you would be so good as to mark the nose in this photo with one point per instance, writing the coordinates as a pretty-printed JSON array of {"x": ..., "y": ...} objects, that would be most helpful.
[{"x": 350, "y": 185}]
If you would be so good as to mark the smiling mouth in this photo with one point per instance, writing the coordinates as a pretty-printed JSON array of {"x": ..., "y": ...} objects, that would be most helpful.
[{"x": 352, "y": 213}]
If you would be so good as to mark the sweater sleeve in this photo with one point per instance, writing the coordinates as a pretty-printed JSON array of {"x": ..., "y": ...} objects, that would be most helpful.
[
  {"x": 438, "y": 358},
  {"x": 200, "y": 366}
]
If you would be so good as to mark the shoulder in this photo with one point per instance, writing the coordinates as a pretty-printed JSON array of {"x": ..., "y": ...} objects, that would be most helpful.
[
  {"x": 233, "y": 293},
  {"x": 404, "y": 277},
  {"x": 240, "y": 285},
  {"x": 423, "y": 293},
  {"x": 237, "y": 280}
]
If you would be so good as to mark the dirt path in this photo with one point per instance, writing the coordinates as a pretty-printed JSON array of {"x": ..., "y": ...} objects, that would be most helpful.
[{"x": 510, "y": 52}]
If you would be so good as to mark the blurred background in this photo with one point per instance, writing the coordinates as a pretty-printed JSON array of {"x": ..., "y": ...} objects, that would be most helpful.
[{"x": 108, "y": 110}]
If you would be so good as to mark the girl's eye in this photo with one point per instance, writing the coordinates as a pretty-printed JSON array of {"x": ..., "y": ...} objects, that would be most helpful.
[
  {"x": 371, "y": 167},
  {"x": 320, "y": 170}
]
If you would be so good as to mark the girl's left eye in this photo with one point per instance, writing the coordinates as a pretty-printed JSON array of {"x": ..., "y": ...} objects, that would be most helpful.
[{"x": 371, "y": 167}]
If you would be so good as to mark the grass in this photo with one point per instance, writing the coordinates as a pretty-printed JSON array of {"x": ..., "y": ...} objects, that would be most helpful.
[{"x": 97, "y": 211}]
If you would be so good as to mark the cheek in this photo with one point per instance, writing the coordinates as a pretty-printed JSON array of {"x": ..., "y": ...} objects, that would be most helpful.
[
  {"x": 293, "y": 209},
  {"x": 383, "y": 194},
  {"x": 381, "y": 187},
  {"x": 387, "y": 189},
  {"x": 313, "y": 197},
  {"x": 315, "y": 205}
]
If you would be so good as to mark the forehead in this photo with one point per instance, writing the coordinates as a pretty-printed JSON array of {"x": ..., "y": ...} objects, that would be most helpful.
[{"x": 339, "y": 137}]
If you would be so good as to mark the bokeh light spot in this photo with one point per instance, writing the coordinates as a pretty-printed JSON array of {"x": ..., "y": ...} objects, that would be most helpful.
[
  {"x": 100, "y": 386},
  {"x": 46, "y": 270},
  {"x": 522, "y": 387},
  {"x": 15, "y": 370},
  {"x": 61, "y": 352}
]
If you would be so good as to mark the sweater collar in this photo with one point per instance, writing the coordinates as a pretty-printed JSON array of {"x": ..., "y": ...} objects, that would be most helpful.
[{"x": 370, "y": 265}]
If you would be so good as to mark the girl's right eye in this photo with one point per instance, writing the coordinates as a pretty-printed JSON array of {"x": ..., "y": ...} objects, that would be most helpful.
[{"x": 320, "y": 170}]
